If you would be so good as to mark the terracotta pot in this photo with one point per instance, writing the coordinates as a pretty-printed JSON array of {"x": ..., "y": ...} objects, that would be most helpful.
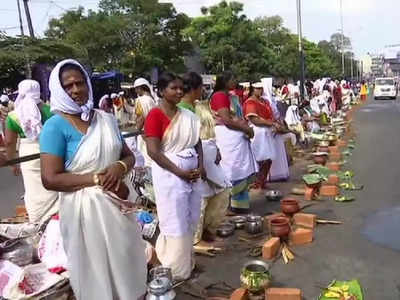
[
  {"x": 323, "y": 149},
  {"x": 280, "y": 227},
  {"x": 320, "y": 160},
  {"x": 290, "y": 206}
]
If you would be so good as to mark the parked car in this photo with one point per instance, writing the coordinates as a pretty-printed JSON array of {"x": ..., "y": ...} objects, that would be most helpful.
[{"x": 385, "y": 88}]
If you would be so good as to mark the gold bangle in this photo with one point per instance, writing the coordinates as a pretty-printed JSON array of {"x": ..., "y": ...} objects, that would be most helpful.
[
  {"x": 123, "y": 164},
  {"x": 96, "y": 179}
]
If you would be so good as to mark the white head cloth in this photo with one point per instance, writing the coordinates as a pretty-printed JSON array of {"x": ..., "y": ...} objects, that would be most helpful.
[
  {"x": 114, "y": 95},
  {"x": 143, "y": 81},
  {"x": 60, "y": 101},
  {"x": 103, "y": 101},
  {"x": 27, "y": 110},
  {"x": 4, "y": 98},
  {"x": 267, "y": 86},
  {"x": 292, "y": 115}
]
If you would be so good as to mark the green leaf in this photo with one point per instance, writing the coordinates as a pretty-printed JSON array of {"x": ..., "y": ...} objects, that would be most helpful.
[{"x": 311, "y": 179}]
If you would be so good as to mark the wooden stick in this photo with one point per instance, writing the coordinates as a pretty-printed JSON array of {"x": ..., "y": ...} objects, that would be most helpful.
[{"x": 320, "y": 221}]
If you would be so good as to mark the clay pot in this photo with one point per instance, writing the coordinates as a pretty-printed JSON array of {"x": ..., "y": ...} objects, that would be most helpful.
[
  {"x": 320, "y": 160},
  {"x": 323, "y": 149},
  {"x": 290, "y": 206},
  {"x": 280, "y": 227}
]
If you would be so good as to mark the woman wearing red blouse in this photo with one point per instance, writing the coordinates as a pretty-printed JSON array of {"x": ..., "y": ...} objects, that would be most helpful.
[
  {"x": 173, "y": 143},
  {"x": 260, "y": 115},
  {"x": 233, "y": 136}
]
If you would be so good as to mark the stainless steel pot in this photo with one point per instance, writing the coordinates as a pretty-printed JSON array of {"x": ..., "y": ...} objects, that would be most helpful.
[
  {"x": 254, "y": 224},
  {"x": 239, "y": 221},
  {"x": 160, "y": 289}
]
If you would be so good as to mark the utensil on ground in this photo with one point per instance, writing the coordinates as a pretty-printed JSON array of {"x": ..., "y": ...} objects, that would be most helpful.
[
  {"x": 254, "y": 224},
  {"x": 225, "y": 229},
  {"x": 273, "y": 195}
]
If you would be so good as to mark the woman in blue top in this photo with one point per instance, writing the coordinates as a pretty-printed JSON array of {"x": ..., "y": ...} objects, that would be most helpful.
[{"x": 84, "y": 158}]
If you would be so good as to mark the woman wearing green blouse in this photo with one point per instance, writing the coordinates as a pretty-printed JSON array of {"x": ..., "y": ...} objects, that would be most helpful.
[{"x": 24, "y": 124}]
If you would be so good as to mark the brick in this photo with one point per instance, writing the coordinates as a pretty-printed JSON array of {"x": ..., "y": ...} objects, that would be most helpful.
[
  {"x": 342, "y": 143},
  {"x": 333, "y": 179},
  {"x": 310, "y": 193},
  {"x": 20, "y": 210},
  {"x": 301, "y": 236},
  {"x": 334, "y": 166},
  {"x": 329, "y": 191},
  {"x": 271, "y": 248},
  {"x": 305, "y": 220},
  {"x": 240, "y": 294},
  {"x": 283, "y": 294},
  {"x": 335, "y": 156},
  {"x": 334, "y": 149}
]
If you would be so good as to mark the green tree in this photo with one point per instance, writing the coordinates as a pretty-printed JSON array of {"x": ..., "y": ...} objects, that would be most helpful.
[
  {"x": 152, "y": 35},
  {"x": 229, "y": 40},
  {"x": 96, "y": 34},
  {"x": 18, "y": 52},
  {"x": 336, "y": 41}
]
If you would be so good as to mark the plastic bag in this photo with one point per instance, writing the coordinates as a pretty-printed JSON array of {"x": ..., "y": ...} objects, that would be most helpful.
[{"x": 51, "y": 250}]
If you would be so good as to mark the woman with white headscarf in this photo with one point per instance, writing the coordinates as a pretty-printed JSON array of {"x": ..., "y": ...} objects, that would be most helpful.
[
  {"x": 143, "y": 104},
  {"x": 25, "y": 123},
  {"x": 84, "y": 157},
  {"x": 293, "y": 121},
  {"x": 106, "y": 105},
  {"x": 279, "y": 167}
]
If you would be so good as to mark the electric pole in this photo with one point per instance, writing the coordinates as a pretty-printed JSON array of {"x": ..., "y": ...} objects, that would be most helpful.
[
  {"x": 28, "y": 18},
  {"x": 301, "y": 53},
  {"x": 351, "y": 64},
  {"x": 20, "y": 18},
  {"x": 341, "y": 21}
]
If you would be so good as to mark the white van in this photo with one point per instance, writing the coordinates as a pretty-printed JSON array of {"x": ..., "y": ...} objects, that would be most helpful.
[{"x": 385, "y": 88}]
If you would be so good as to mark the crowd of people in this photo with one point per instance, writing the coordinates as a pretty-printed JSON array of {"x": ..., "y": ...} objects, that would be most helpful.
[{"x": 205, "y": 155}]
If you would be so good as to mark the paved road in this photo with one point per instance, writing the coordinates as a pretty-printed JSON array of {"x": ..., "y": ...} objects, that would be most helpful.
[
  {"x": 11, "y": 189},
  {"x": 367, "y": 245}
]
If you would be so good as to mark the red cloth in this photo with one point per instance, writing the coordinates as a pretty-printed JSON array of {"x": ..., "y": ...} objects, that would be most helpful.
[
  {"x": 285, "y": 90},
  {"x": 261, "y": 109},
  {"x": 156, "y": 123},
  {"x": 220, "y": 100}
]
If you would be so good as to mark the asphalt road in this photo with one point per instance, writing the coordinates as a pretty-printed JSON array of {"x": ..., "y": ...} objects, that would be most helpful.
[
  {"x": 11, "y": 190},
  {"x": 367, "y": 246}
]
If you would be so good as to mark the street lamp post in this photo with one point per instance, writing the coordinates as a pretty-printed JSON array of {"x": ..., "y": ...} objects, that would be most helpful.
[
  {"x": 301, "y": 53},
  {"x": 341, "y": 22}
]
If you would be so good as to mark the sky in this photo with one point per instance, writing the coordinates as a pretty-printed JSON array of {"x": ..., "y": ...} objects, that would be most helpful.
[{"x": 371, "y": 24}]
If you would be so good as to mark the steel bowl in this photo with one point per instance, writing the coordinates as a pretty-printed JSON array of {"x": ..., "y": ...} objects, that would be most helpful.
[
  {"x": 273, "y": 195},
  {"x": 225, "y": 229},
  {"x": 238, "y": 221}
]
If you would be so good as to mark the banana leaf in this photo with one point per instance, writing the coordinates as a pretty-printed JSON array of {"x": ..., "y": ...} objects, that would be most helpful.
[
  {"x": 323, "y": 171},
  {"x": 311, "y": 179},
  {"x": 345, "y": 175},
  {"x": 347, "y": 153},
  {"x": 354, "y": 289},
  {"x": 344, "y": 198}
]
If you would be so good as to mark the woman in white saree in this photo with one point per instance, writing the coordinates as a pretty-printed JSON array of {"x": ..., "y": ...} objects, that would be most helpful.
[
  {"x": 173, "y": 143},
  {"x": 84, "y": 158}
]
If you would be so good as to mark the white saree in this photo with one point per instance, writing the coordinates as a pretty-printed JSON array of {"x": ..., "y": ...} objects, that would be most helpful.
[
  {"x": 40, "y": 203},
  {"x": 178, "y": 202},
  {"x": 238, "y": 160},
  {"x": 105, "y": 250}
]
